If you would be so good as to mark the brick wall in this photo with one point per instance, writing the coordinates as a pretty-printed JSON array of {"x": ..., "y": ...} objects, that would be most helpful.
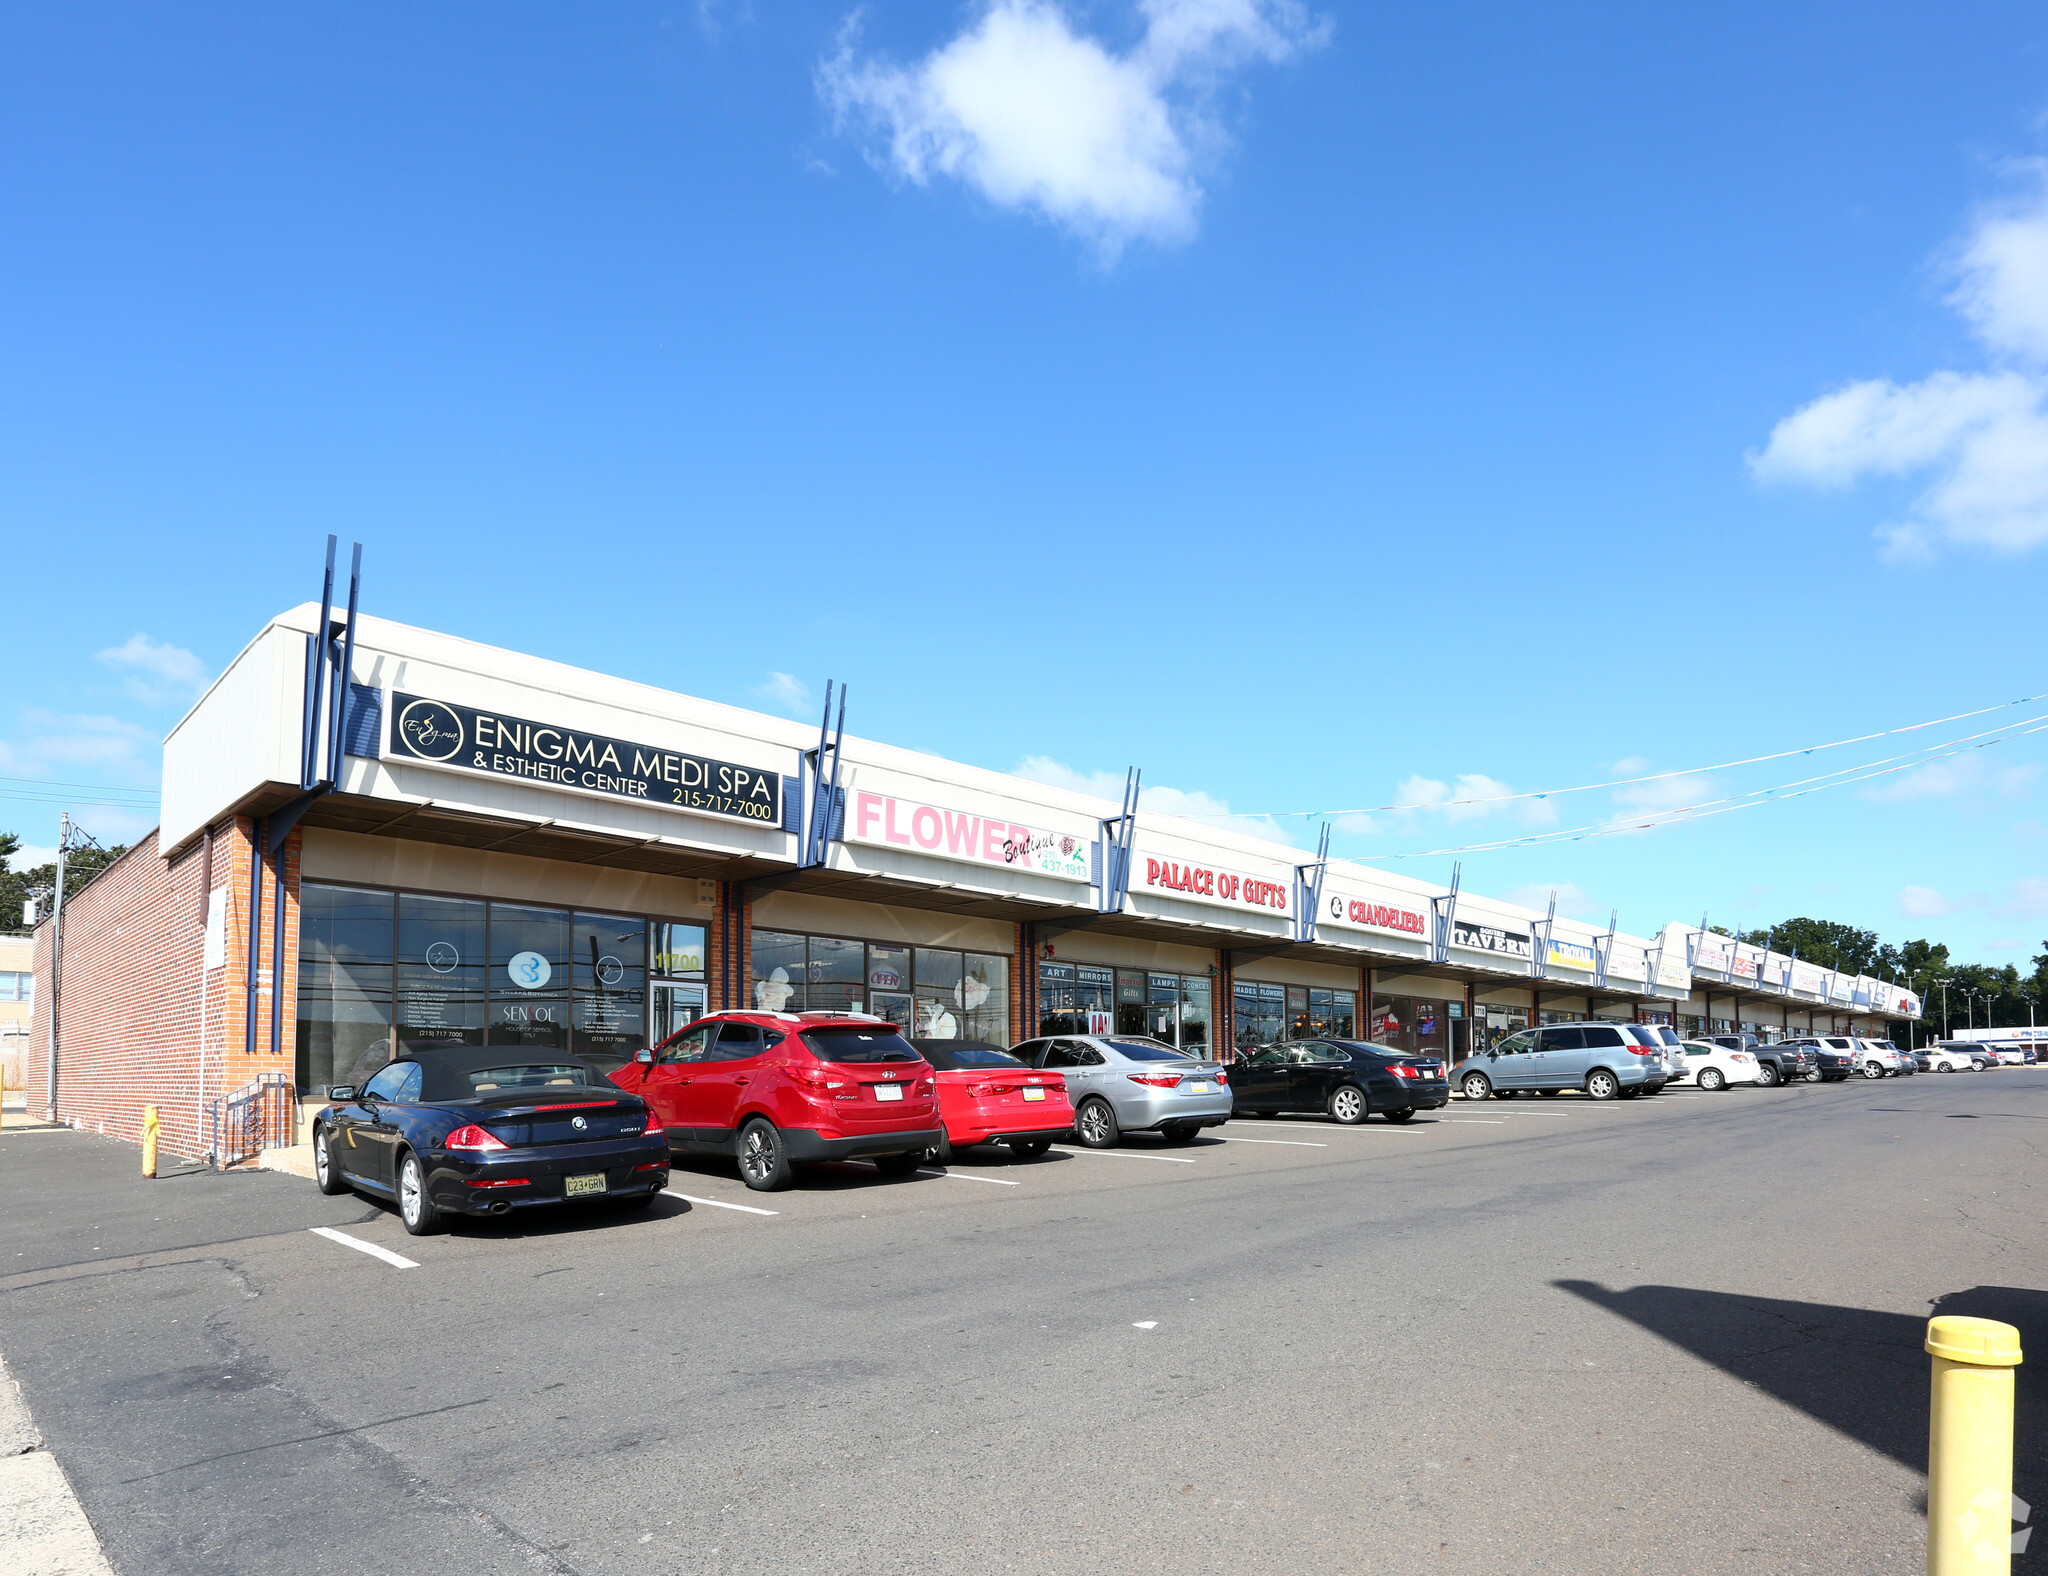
[{"x": 129, "y": 1027}]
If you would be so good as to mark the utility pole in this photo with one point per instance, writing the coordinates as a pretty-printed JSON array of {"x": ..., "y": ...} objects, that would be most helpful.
[{"x": 56, "y": 965}]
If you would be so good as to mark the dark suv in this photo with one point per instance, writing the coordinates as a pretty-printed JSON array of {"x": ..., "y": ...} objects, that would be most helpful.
[
  {"x": 1830, "y": 1065},
  {"x": 1786, "y": 1062}
]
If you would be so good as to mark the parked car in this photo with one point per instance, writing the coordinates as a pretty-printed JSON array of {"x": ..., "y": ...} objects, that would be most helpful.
[
  {"x": 1870, "y": 1061},
  {"x": 1901, "y": 1065},
  {"x": 1830, "y": 1065},
  {"x": 988, "y": 1096},
  {"x": 1347, "y": 1079},
  {"x": 1711, "y": 1065},
  {"x": 776, "y": 1090},
  {"x": 1674, "y": 1052},
  {"x": 475, "y": 1131},
  {"x": 2009, "y": 1056},
  {"x": 1786, "y": 1061},
  {"x": 1130, "y": 1083},
  {"x": 1595, "y": 1057},
  {"x": 1948, "y": 1059}
]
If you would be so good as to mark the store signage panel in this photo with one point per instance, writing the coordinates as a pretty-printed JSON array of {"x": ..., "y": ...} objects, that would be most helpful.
[
  {"x": 1711, "y": 952},
  {"x": 1745, "y": 968},
  {"x": 1572, "y": 955},
  {"x": 885, "y": 821},
  {"x": 1809, "y": 979},
  {"x": 1208, "y": 884},
  {"x": 1672, "y": 972},
  {"x": 1356, "y": 911},
  {"x": 1478, "y": 936},
  {"x": 441, "y": 733}
]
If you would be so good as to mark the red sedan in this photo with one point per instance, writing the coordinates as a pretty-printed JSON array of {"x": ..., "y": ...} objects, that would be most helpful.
[{"x": 987, "y": 1096}]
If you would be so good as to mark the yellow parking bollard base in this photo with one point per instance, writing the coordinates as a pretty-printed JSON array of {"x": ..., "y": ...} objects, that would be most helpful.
[
  {"x": 1969, "y": 1446},
  {"x": 149, "y": 1128}
]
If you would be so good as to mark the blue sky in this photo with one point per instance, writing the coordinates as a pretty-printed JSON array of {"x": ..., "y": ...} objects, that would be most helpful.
[{"x": 1317, "y": 406}]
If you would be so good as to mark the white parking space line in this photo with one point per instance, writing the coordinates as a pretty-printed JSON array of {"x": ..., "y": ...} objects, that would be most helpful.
[
  {"x": 964, "y": 1176},
  {"x": 1485, "y": 1121},
  {"x": 1291, "y": 1143},
  {"x": 1123, "y": 1154},
  {"x": 397, "y": 1261},
  {"x": 719, "y": 1203}
]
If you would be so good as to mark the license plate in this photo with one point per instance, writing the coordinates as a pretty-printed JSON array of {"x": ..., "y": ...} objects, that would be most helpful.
[
  {"x": 888, "y": 1091},
  {"x": 581, "y": 1187},
  {"x": 1034, "y": 1094},
  {"x": 1201, "y": 1088}
]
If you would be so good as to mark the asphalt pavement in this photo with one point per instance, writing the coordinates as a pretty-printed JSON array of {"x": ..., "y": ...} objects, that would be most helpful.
[{"x": 1674, "y": 1334}]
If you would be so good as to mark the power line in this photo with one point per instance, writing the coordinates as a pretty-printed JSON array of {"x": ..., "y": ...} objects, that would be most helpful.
[{"x": 1627, "y": 782}]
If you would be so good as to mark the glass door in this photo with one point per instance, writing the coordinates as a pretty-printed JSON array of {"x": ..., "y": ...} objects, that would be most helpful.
[
  {"x": 893, "y": 1005},
  {"x": 672, "y": 1008}
]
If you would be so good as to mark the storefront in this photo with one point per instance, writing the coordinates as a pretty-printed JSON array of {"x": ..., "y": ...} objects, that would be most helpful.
[
  {"x": 935, "y": 992},
  {"x": 485, "y": 848}
]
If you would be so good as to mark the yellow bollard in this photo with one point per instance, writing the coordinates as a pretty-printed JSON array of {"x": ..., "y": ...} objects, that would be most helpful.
[
  {"x": 1969, "y": 1446},
  {"x": 149, "y": 1125}
]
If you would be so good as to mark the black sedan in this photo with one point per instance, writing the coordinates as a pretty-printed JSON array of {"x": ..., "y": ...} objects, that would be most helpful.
[
  {"x": 1347, "y": 1079},
  {"x": 471, "y": 1131}
]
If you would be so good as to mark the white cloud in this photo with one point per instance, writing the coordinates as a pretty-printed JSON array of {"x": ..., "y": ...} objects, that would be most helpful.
[
  {"x": 1040, "y": 117},
  {"x": 1190, "y": 803},
  {"x": 115, "y": 747},
  {"x": 155, "y": 672},
  {"x": 1981, "y": 437},
  {"x": 1972, "y": 774},
  {"x": 1571, "y": 899},
  {"x": 786, "y": 691},
  {"x": 2029, "y": 899},
  {"x": 1629, "y": 765},
  {"x": 2007, "y": 944},
  {"x": 1919, "y": 902},
  {"x": 1427, "y": 793},
  {"x": 28, "y": 856},
  {"x": 1662, "y": 797}
]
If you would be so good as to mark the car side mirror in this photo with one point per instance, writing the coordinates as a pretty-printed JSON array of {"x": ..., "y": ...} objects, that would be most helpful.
[
  {"x": 342, "y": 1092},
  {"x": 644, "y": 1054}
]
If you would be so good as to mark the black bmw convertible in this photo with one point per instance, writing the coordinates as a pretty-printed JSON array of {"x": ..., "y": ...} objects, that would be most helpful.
[{"x": 475, "y": 1131}]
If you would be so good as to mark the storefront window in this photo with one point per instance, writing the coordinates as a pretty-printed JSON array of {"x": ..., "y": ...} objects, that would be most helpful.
[
  {"x": 1132, "y": 1009},
  {"x": 1071, "y": 994},
  {"x": 609, "y": 1007},
  {"x": 344, "y": 1021},
  {"x": 1333, "y": 1013},
  {"x": 932, "y": 992},
  {"x": 529, "y": 977},
  {"x": 440, "y": 972},
  {"x": 1413, "y": 1024},
  {"x": 677, "y": 951},
  {"x": 1259, "y": 1013}
]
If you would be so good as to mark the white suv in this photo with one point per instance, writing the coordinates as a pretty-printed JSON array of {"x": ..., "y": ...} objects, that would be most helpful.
[{"x": 1873, "y": 1060}]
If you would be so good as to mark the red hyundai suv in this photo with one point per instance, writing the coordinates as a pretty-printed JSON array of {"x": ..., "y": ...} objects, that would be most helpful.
[{"x": 777, "y": 1090}]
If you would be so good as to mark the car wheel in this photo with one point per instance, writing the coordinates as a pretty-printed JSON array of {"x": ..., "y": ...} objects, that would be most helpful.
[
  {"x": 1872, "y": 1070},
  {"x": 941, "y": 1152},
  {"x": 1602, "y": 1084},
  {"x": 899, "y": 1165},
  {"x": 1348, "y": 1105},
  {"x": 1767, "y": 1074},
  {"x": 1095, "y": 1124},
  {"x": 415, "y": 1209},
  {"x": 1405, "y": 1114},
  {"x": 1711, "y": 1079},
  {"x": 1475, "y": 1087},
  {"x": 764, "y": 1158},
  {"x": 326, "y": 1174},
  {"x": 1030, "y": 1148},
  {"x": 1180, "y": 1132}
]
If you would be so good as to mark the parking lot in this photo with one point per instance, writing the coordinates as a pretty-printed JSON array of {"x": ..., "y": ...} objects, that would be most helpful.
[{"x": 1676, "y": 1333}]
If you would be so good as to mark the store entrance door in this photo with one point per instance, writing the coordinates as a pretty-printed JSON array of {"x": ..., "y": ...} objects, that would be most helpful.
[
  {"x": 893, "y": 1005},
  {"x": 673, "y": 1007},
  {"x": 1162, "y": 1021}
]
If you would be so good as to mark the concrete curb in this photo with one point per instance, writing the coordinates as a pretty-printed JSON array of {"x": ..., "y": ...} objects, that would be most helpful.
[{"x": 43, "y": 1528}]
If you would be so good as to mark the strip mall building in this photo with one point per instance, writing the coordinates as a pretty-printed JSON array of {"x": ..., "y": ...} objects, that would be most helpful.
[{"x": 485, "y": 847}]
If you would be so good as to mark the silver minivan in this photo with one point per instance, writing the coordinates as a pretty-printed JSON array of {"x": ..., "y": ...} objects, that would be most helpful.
[{"x": 1599, "y": 1058}]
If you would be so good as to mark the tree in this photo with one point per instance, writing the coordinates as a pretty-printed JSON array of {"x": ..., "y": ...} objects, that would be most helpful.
[
  {"x": 1824, "y": 943},
  {"x": 40, "y": 881}
]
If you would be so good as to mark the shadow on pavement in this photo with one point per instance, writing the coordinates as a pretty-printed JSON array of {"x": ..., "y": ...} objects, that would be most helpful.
[{"x": 1863, "y": 1373}]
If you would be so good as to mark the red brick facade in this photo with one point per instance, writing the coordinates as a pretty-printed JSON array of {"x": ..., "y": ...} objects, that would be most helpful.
[{"x": 129, "y": 1025}]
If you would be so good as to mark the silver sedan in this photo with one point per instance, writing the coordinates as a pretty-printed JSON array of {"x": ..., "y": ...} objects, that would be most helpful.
[{"x": 1129, "y": 1083}]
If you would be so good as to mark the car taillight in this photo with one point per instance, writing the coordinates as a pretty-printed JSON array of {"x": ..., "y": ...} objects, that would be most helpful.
[
  {"x": 653, "y": 1125},
  {"x": 982, "y": 1091},
  {"x": 1400, "y": 1071},
  {"x": 814, "y": 1078},
  {"x": 475, "y": 1139},
  {"x": 580, "y": 1105},
  {"x": 1223, "y": 1079},
  {"x": 497, "y": 1181},
  {"x": 1160, "y": 1081}
]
